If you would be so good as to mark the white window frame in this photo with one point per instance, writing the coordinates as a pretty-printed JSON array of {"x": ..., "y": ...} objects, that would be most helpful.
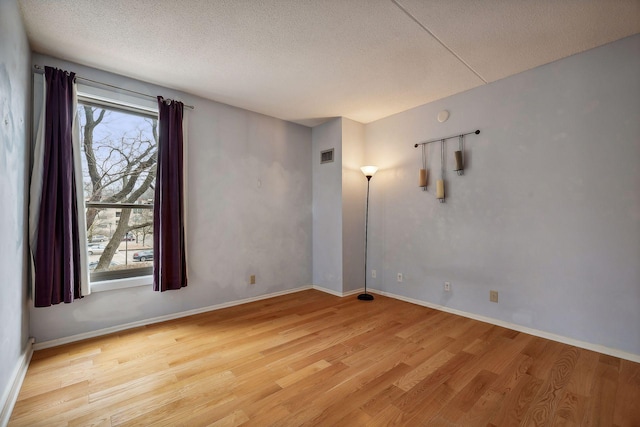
[{"x": 110, "y": 99}]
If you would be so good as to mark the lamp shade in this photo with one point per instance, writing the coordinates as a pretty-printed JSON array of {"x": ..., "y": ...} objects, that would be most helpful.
[{"x": 369, "y": 170}]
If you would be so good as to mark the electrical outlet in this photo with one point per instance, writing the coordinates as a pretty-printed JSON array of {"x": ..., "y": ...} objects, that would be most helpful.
[
  {"x": 493, "y": 296},
  {"x": 447, "y": 286},
  {"x": 252, "y": 279},
  {"x": 373, "y": 274},
  {"x": 399, "y": 277}
]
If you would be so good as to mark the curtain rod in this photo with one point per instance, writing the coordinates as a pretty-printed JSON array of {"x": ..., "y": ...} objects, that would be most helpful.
[
  {"x": 40, "y": 70},
  {"x": 448, "y": 137}
]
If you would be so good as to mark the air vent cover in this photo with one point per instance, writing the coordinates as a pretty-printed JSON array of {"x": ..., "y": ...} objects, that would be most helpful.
[{"x": 326, "y": 156}]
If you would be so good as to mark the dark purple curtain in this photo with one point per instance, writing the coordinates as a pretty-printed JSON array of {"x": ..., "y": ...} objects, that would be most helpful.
[
  {"x": 169, "y": 261},
  {"x": 57, "y": 255}
]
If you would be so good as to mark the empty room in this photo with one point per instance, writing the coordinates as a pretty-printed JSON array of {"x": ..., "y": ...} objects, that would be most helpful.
[{"x": 327, "y": 213}]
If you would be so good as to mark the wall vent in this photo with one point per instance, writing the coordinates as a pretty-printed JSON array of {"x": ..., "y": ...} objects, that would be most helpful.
[{"x": 326, "y": 156}]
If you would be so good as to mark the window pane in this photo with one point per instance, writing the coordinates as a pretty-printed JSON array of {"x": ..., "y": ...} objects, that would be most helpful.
[
  {"x": 119, "y": 155},
  {"x": 118, "y": 166},
  {"x": 122, "y": 251}
]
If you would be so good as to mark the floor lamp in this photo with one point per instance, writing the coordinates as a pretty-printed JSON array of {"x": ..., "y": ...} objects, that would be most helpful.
[{"x": 368, "y": 171}]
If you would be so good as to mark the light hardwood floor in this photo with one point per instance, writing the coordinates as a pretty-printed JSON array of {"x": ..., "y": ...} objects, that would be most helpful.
[{"x": 310, "y": 358}]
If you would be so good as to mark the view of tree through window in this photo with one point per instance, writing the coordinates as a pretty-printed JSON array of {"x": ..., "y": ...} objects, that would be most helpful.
[{"x": 119, "y": 153}]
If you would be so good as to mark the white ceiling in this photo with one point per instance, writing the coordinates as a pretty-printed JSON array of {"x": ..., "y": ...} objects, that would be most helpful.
[{"x": 308, "y": 60}]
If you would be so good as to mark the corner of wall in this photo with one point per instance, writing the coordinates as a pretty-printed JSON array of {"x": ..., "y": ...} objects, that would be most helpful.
[
  {"x": 14, "y": 140},
  {"x": 354, "y": 186},
  {"x": 327, "y": 206}
]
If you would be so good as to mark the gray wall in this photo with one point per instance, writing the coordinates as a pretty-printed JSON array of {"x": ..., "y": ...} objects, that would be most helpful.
[
  {"x": 339, "y": 191},
  {"x": 248, "y": 212},
  {"x": 14, "y": 93},
  {"x": 354, "y": 192},
  {"x": 327, "y": 206},
  {"x": 547, "y": 213}
]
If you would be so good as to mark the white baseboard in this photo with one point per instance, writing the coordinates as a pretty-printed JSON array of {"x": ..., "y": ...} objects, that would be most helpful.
[
  {"x": 10, "y": 394},
  {"x": 547, "y": 335},
  {"x": 536, "y": 332},
  {"x": 336, "y": 293},
  {"x": 125, "y": 326}
]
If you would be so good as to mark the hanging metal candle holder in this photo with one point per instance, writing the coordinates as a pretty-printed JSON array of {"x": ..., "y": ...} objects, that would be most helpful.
[
  {"x": 459, "y": 156},
  {"x": 440, "y": 182},
  {"x": 423, "y": 173}
]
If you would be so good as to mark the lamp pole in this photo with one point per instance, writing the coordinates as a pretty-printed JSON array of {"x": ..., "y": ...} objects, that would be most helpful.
[{"x": 368, "y": 171}]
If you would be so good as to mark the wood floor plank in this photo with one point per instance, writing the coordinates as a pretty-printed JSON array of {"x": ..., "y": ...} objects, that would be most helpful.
[
  {"x": 422, "y": 371},
  {"x": 517, "y": 402},
  {"x": 51, "y": 402},
  {"x": 465, "y": 399},
  {"x": 357, "y": 392},
  {"x": 480, "y": 413},
  {"x": 300, "y": 374},
  {"x": 422, "y": 391},
  {"x": 234, "y": 419},
  {"x": 310, "y": 358},
  {"x": 570, "y": 410},
  {"x": 427, "y": 350},
  {"x": 602, "y": 403},
  {"x": 300, "y": 397},
  {"x": 323, "y": 382},
  {"x": 423, "y": 412},
  {"x": 512, "y": 374},
  {"x": 628, "y": 395},
  {"x": 381, "y": 400},
  {"x": 388, "y": 416},
  {"x": 546, "y": 402}
]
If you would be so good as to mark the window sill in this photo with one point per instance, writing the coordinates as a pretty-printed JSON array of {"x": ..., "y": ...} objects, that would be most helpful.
[{"x": 129, "y": 282}]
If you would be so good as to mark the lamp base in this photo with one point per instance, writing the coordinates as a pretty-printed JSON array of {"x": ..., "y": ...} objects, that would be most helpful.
[{"x": 365, "y": 297}]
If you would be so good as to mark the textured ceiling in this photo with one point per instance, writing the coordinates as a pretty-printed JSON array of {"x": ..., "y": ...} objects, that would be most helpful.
[{"x": 308, "y": 60}]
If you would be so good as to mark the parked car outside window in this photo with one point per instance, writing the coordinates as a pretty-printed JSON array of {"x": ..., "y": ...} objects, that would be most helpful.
[
  {"x": 94, "y": 264},
  {"x": 97, "y": 249},
  {"x": 99, "y": 238},
  {"x": 143, "y": 256}
]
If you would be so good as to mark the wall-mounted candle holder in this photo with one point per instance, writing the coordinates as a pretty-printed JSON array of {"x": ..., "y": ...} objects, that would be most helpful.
[
  {"x": 423, "y": 172},
  {"x": 459, "y": 159},
  {"x": 459, "y": 156},
  {"x": 440, "y": 182}
]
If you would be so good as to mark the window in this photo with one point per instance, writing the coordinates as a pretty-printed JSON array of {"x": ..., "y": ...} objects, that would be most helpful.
[{"x": 119, "y": 153}]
